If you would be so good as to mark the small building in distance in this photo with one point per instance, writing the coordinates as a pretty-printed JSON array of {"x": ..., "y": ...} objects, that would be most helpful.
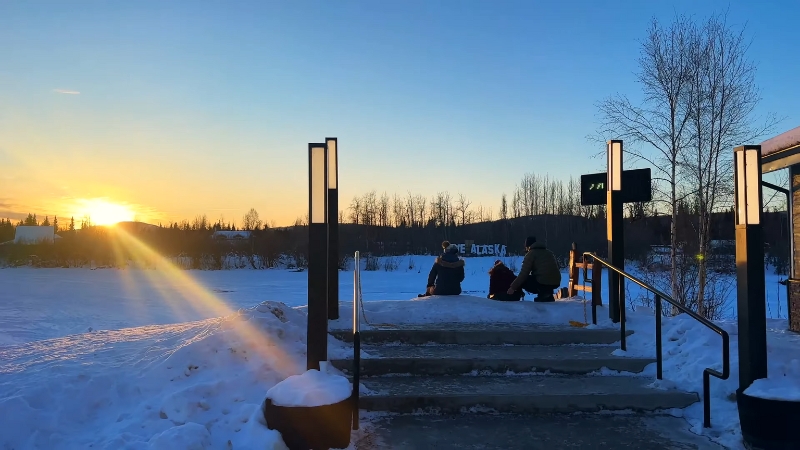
[
  {"x": 26, "y": 234},
  {"x": 231, "y": 235}
]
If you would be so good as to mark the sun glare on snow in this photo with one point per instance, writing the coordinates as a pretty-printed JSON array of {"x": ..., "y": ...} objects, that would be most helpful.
[{"x": 102, "y": 212}]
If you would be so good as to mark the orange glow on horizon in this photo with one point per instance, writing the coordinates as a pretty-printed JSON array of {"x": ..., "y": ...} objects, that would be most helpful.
[{"x": 103, "y": 212}]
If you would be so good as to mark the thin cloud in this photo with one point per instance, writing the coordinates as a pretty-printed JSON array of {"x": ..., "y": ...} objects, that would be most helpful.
[{"x": 65, "y": 91}]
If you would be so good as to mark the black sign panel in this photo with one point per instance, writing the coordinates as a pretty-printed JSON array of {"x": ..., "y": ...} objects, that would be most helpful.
[{"x": 636, "y": 187}]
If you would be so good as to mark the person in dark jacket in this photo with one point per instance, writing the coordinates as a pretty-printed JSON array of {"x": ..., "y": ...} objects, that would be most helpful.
[
  {"x": 446, "y": 274},
  {"x": 539, "y": 274},
  {"x": 500, "y": 279}
]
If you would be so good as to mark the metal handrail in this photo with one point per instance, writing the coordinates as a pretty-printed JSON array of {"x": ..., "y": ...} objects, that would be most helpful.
[
  {"x": 708, "y": 372},
  {"x": 356, "y": 336}
]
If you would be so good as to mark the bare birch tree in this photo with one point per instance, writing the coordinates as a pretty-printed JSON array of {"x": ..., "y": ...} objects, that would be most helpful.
[
  {"x": 251, "y": 220},
  {"x": 721, "y": 101},
  {"x": 656, "y": 131},
  {"x": 462, "y": 209}
]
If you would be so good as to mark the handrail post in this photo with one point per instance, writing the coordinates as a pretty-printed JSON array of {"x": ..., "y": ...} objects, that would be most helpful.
[
  {"x": 660, "y": 296},
  {"x": 573, "y": 270},
  {"x": 597, "y": 287},
  {"x": 623, "y": 339},
  {"x": 356, "y": 337},
  {"x": 659, "y": 357}
]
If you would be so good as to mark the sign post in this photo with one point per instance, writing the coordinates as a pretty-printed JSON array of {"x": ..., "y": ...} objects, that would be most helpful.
[{"x": 317, "y": 331}]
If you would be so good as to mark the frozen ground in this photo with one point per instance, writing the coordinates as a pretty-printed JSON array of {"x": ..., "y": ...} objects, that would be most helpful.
[
  {"x": 38, "y": 304},
  {"x": 183, "y": 359}
]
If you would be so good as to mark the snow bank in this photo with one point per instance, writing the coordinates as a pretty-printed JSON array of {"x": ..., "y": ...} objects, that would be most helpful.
[
  {"x": 311, "y": 388},
  {"x": 188, "y": 386},
  {"x": 689, "y": 348}
]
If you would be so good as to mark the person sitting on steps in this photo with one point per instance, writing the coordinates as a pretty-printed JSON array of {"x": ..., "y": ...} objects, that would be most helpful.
[
  {"x": 446, "y": 274},
  {"x": 500, "y": 279},
  {"x": 539, "y": 274}
]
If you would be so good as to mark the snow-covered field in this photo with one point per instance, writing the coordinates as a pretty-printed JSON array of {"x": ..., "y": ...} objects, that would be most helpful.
[{"x": 182, "y": 359}]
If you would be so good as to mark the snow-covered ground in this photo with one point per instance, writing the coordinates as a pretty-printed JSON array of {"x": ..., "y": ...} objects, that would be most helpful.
[{"x": 182, "y": 359}]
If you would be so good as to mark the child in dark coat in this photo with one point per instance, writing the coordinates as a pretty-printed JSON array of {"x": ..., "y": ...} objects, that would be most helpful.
[{"x": 500, "y": 279}]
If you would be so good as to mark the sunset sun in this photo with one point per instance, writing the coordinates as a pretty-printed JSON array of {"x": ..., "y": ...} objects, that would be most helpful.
[{"x": 102, "y": 212}]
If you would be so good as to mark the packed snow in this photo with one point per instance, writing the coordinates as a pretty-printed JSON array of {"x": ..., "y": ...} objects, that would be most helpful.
[
  {"x": 780, "y": 142},
  {"x": 186, "y": 362},
  {"x": 689, "y": 348},
  {"x": 311, "y": 388}
]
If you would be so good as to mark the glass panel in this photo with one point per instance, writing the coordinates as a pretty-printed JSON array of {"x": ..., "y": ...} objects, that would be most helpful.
[
  {"x": 741, "y": 189},
  {"x": 318, "y": 189},
  {"x": 753, "y": 187},
  {"x": 616, "y": 153},
  {"x": 333, "y": 171}
]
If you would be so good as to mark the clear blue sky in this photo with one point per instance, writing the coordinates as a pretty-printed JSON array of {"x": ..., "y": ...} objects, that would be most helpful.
[{"x": 191, "y": 107}]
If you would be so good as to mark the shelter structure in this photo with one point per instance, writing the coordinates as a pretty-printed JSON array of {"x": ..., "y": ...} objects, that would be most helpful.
[{"x": 782, "y": 152}]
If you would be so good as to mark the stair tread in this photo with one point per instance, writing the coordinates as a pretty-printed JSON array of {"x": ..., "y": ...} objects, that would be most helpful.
[
  {"x": 482, "y": 352},
  {"x": 516, "y": 385},
  {"x": 487, "y": 326},
  {"x": 485, "y": 333}
]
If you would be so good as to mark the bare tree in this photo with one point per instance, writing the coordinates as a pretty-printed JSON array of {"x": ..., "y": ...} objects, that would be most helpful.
[
  {"x": 355, "y": 210},
  {"x": 503, "y": 208},
  {"x": 383, "y": 211},
  {"x": 462, "y": 209},
  {"x": 369, "y": 208},
  {"x": 721, "y": 100},
  {"x": 422, "y": 205},
  {"x": 657, "y": 130},
  {"x": 200, "y": 223},
  {"x": 251, "y": 220},
  {"x": 398, "y": 211}
]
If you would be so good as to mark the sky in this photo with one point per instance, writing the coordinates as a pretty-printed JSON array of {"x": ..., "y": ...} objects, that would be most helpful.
[{"x": 175, "y": 109}]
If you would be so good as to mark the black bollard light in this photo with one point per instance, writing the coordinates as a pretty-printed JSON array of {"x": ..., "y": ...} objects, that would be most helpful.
[
  {"x": 333, "y": 228},
  {"x": 750, "y": 283},
  {"x": 615, "y": 232},
  {"x": 317, "y": 331}
]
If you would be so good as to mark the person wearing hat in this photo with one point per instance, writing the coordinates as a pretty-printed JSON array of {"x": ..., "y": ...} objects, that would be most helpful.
[
  {"x": 447, "y": 273},
  {"x": 500, "y": 278},
  {"x": 539, "y": 274}
]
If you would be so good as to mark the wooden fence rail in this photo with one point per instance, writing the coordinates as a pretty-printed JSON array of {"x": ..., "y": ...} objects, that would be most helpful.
[{"x": 590, "y": 285}]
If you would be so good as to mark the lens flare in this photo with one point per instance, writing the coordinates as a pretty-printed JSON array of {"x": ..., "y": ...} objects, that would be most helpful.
[{"x": 194, "y": 297}]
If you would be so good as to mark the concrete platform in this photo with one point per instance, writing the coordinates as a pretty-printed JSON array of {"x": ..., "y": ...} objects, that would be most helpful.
[
  {"x": 485, "y": 334},
  {"x": 461, "y": 359},
  {"x": 519, "y": 394},
  {"x": 550, "y": 432}
]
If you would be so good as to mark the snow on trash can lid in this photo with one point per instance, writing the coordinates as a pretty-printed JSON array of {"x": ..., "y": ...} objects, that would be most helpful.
[{"x": 311, "y": 388}]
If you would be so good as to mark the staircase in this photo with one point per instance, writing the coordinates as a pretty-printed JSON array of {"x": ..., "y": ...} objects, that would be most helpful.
[{"x": 505, "y": 368}]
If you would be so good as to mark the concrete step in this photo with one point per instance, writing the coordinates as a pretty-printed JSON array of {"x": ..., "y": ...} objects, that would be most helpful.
[
  {"x": 485, "y": 334},
  {"x": 518, "y": 394},
  {"x": 462, "y": 359},
  {"x": 523, "y": 432}
]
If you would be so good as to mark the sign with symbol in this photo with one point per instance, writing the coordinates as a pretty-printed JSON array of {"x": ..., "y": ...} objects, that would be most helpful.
[{"x": 636, "y": 187}]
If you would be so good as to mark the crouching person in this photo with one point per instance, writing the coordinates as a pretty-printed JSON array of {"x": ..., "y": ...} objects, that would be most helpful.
[
  {"x": 500, "y": 279},
  {"x": 446, "y": 274},
  {"x": 539, "y": 274}
]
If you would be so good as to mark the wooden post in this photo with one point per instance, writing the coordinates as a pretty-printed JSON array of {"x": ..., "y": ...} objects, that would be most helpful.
[
  {"x": 573, "y": 271},
  {"x": 597, "y": 283}
]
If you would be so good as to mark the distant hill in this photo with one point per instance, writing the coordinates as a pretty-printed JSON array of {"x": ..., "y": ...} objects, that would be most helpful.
[{"x": 135, "y": 226}]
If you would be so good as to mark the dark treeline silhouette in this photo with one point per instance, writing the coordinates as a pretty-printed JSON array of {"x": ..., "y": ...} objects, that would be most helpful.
[{"x": 381, "y": 225}]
